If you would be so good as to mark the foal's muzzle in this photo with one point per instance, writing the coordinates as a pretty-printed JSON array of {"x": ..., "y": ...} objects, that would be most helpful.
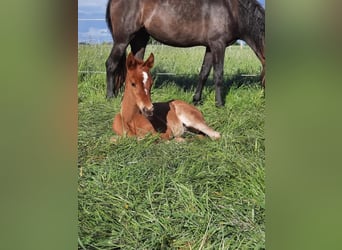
[{"x": 148, "y": 111}]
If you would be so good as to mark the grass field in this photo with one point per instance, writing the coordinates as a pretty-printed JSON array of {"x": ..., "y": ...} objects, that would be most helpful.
[{"x": 201, "y": 194}]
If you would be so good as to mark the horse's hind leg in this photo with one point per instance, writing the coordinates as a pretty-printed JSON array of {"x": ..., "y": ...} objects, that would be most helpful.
[
  {"x": 139, "y": 43},
  {"x": 203, "y": 76},
  {"x": 115, "y": 68},
  {"x": 262, "y": 76}
]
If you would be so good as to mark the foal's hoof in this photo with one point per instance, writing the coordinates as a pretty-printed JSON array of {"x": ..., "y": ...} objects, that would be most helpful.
[
  {"x": 179, "y": 139},
  {"x": 113, "y": 139},
  {"x": 215, "y": 136}
]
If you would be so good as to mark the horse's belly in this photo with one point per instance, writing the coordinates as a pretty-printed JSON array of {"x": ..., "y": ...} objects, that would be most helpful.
[{"x": 180, "y": 37}]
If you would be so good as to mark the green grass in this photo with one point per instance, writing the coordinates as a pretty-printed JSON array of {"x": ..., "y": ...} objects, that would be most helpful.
[{"x": 201, "y": 194}]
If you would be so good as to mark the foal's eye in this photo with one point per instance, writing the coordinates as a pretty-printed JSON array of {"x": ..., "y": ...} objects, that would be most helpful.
[{"x": 133, "y": 84}]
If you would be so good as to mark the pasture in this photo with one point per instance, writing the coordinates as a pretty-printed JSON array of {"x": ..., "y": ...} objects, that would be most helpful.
[{"x": 201, "y": 194}]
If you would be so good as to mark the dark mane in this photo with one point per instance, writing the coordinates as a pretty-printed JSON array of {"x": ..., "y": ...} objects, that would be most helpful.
[{"x": 252, "y": 14}]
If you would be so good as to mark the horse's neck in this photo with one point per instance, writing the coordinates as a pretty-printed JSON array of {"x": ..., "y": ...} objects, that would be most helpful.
[{"x": 128, "y": 108}]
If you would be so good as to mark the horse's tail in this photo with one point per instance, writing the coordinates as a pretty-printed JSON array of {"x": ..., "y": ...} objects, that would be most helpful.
[
  {"x": 108, "y": 19},
  {"x": 120, "y": 74}
]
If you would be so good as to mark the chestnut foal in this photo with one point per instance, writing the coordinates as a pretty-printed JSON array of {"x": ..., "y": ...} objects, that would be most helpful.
[{"x": 139, "y": 116}]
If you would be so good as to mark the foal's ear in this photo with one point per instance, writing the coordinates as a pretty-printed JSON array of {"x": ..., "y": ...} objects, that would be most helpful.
[
  {"x": 150, "y": 61},
  {"x": 131, "y": 62}
]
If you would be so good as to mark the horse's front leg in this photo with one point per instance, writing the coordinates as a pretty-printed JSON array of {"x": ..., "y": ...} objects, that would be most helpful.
[
  {"x": 218, "y": 61},
  {"x": 139, "y": 43},
  {"x": 115, "y": 68},
  {"x": 203, "y": 76}
]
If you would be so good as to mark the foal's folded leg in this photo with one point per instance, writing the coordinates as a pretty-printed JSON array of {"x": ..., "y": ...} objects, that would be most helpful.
[
  {"x": 118, "y": 127},
  {"x": 192, "y": 117},
  {"x": 141, "y": 126}
]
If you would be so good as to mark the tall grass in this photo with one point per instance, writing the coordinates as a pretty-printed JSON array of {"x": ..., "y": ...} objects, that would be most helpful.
[{"x": 201, "y": 194}]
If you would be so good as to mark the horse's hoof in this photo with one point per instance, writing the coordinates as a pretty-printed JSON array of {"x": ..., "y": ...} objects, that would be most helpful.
[
  {"x": 197, "y": 102},
  {"x": 219, "y": 105},
  {"x": 110, "y": 96}
]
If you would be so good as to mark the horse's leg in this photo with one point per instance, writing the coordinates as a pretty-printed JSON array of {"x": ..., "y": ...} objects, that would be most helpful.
[
  {"x": 262, "y": 76},
  {"x": 115, "y": 64},
  {"x": 259, "y": 52},
  {"x": 203, "y": 76},
  {"x": 139, "y": 42},
  {"x": 218, "y": 50}
]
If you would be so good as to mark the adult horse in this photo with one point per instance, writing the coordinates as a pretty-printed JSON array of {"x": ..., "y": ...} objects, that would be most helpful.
[{"x": 214, "y": 24}]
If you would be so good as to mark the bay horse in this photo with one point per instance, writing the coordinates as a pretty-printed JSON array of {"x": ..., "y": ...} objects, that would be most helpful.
[
  {"x": 139, "y": 116},
  {"x": 214, "y": 24}
]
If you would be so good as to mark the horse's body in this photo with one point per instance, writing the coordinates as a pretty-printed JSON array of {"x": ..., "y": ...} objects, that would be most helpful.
[
  {"x": 214, "y": 24},
  {"x": 139, "y": 116}
]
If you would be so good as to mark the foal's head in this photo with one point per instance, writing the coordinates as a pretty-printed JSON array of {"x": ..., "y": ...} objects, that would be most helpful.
[{"x": 139, "y": 82}]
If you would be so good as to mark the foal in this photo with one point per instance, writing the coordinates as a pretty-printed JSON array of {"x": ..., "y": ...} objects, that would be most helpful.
[{"x": 139, "y": 116}]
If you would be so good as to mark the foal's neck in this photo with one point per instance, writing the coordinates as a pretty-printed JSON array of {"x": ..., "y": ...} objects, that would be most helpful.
[{"x": 129, "y": 109}]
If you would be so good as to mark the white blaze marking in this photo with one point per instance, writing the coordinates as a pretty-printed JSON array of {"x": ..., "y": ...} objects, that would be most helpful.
[{"x": 145, "y": 78}]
